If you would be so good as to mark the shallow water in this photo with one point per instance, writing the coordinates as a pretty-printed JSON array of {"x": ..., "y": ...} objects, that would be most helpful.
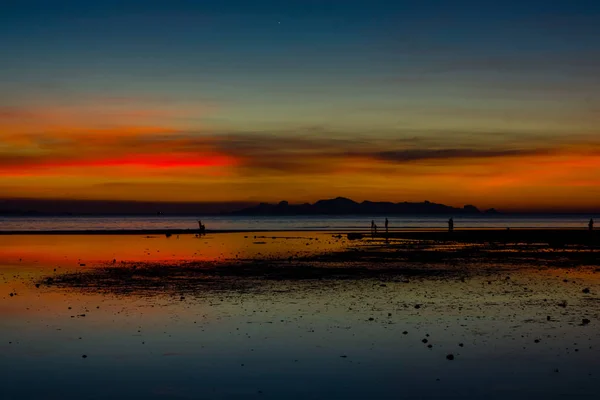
[
  {"x": 72, "y": 250},
  {"x": 290, "y": 223},
  {"x": 298, "y": 340}
]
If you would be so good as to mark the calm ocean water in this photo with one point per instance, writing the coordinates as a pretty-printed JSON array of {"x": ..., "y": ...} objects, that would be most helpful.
[{"x": 290, "y": 223}]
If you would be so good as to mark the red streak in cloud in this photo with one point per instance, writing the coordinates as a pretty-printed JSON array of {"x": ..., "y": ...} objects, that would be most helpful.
[{"x": 150, "y": 161}]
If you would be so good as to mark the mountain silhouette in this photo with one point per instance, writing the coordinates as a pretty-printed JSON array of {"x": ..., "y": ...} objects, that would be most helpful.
[{"x": 345, "y": 206}]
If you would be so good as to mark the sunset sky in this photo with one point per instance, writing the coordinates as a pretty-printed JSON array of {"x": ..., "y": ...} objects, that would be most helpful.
[{"x": 492, "y": 103}]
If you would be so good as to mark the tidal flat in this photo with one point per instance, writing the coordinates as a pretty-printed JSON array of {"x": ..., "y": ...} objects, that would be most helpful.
[{"x": 299, "y": 315}]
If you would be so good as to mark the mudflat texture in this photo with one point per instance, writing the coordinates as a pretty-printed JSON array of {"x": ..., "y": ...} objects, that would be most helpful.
[{"x": 300, "y": 315}]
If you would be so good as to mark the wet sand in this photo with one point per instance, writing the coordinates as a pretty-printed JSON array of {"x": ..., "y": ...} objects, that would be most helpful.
[{"x": 298, "y": 315}]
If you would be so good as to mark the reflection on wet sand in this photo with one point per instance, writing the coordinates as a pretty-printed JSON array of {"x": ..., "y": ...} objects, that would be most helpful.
[
  {"x": 307, "y": 316},
  {"x": 73, "y": 250}
]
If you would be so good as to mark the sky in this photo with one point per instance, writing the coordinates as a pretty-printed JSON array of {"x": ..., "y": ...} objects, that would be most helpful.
[{"x": 492, "y": 103}]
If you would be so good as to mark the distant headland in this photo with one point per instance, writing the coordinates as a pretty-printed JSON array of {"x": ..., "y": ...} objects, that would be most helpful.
[
  {"x": 345, "y": 206},
  {"x": 337, "y": 206}
]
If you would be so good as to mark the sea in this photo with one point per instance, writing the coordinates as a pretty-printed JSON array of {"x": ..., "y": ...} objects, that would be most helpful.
[{"x": 290, "y": 223}]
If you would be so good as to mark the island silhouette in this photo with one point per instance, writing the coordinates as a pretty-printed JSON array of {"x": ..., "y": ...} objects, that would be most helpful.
[
  {"x": 335, "y": 206},
  {"x": 345, "y": 206}
]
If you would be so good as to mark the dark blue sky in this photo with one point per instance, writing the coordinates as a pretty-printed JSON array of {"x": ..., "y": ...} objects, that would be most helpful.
[{"x": 308, "y": 62}]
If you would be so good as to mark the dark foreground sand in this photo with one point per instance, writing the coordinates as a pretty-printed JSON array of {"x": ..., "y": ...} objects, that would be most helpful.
[{"x": 392, "y": 256}]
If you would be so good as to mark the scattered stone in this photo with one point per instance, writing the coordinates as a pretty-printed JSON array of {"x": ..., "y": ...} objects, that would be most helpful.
[
  {"x": 355, "y": 236},
  {"x": 450, "y": 357},
  {"x": 585, "y": 321},
  {"x": 586, "y": 290}
]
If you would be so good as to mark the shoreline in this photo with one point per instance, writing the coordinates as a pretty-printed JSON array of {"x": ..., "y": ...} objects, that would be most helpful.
[
  {"x": 380, "y": 233},
  {"x": 556, "y": 236}
]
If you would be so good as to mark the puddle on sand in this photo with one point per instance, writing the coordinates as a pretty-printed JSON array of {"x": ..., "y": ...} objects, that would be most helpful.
[{"x": 522, "y": 337}]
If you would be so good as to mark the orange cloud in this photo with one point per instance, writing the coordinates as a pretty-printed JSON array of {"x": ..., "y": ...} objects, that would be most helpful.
[
  {"x": 121, "y": 150},
  {"x": 145, "y": 163},
  {"x": 98, "y": 116},
  {"x": 94, "y": 135}
]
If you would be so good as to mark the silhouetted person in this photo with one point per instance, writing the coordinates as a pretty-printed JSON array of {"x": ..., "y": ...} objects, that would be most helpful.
[
  {"x": 373, "y": 228},
  {"x": 451, "y": 225},
  {"x": 386, "y": 225},
  {"x": 591, "y": 224},
  {"x": 201, "y": 227}
]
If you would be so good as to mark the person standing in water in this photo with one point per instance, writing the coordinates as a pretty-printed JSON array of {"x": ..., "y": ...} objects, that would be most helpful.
[
  {"x": 386, "y": 225},
  {"x": 451, "y": 225},
  {"x": 591, "y": 224}
]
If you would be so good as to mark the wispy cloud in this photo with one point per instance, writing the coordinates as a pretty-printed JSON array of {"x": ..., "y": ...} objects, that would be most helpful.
[{"x": 251, "y": 153}]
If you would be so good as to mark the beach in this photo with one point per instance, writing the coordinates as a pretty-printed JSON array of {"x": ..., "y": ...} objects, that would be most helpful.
[{"x": 298, "y": 315}]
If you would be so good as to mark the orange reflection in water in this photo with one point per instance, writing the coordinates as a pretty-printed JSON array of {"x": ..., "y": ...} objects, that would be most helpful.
[
  {"x": 51, "y": 251},
  {"x": 24, "y": 259}
]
